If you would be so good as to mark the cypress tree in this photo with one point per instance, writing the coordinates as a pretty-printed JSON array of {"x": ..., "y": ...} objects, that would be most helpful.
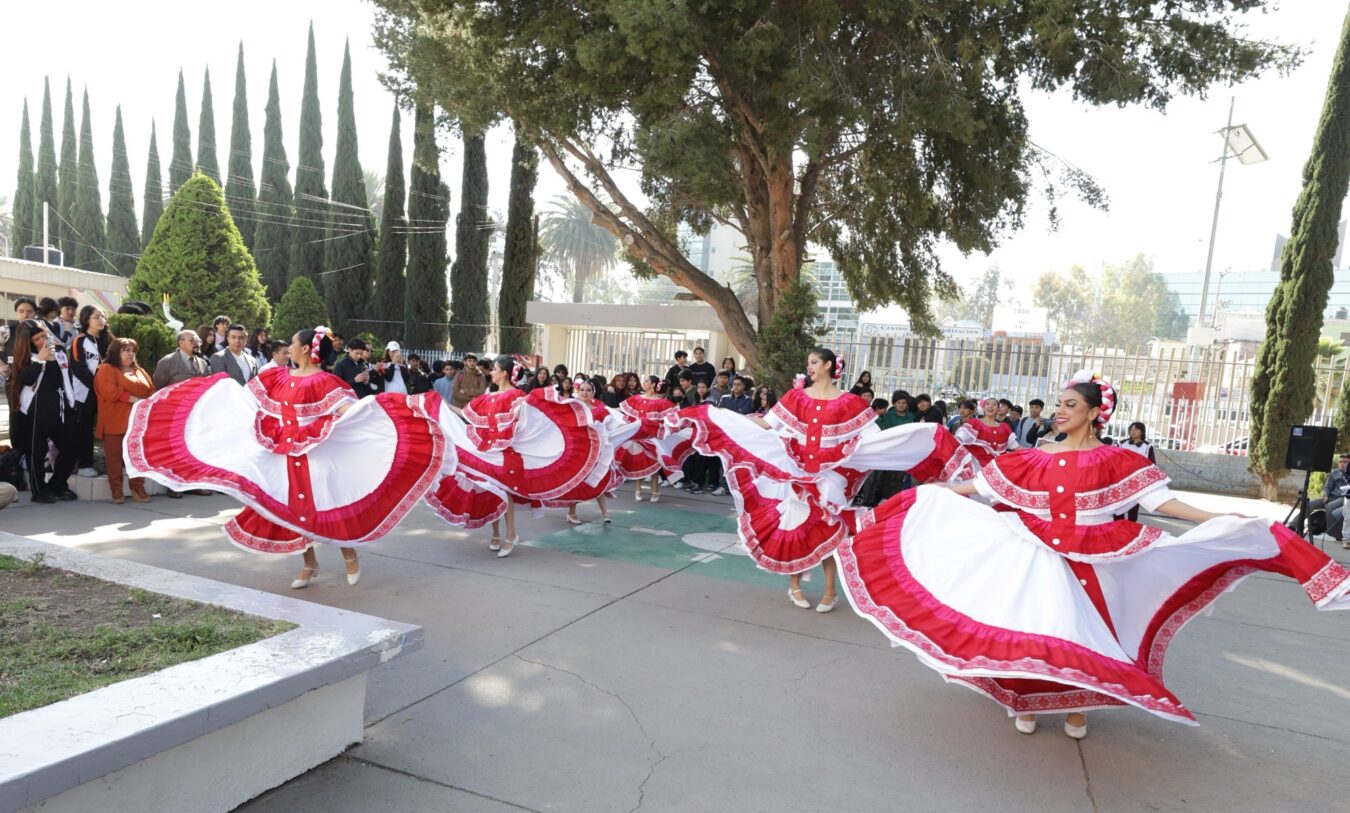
[
  {"x": 23, "y": 232},
  {"x": 393, "y": 251},
  {"x": 124, "y": 238},
  {"x": 180, "y": 163},
  {"x": 240, "y": 191},
  {"x": 425, "y": 303},
  {"x": 468, "y": 276},
  {"x": 311, "y": 213},
  {"x": 207, "y": 163},
  {"x": 347, "y": 260},
  {"x": 153, "y": 197},
  {"x": 518, "y": 264},
  {"x": 198, "y": 256},
  {"x": 45, "y": 190},
  {"x": 1284, "y": 381},
  {"x": 272, "y": 237},
  {"x": 67, "y": 178},
  {"x": 90, "y": 233}
]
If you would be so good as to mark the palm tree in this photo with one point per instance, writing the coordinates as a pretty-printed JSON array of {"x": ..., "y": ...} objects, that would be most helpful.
[
  {"x": 374, "y": 192},
  {"x": 575, "y": 245}
]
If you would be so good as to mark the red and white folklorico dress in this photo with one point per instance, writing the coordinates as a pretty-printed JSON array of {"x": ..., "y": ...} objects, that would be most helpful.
[
  {"x": 1043, "y": 602},
  {"x": 278, "y": 445},
  {"x": 531, "y": 449},
  {"x": 986, "y": 442},
  {"x": 654, "y": 446},
  {"x": 604, "y": 477},
  {"x": 794, "y": 484}
]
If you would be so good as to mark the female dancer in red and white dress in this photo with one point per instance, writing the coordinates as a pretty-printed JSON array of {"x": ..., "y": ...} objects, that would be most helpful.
[
  {"x": 643, "y": 455},
  {"x": 604, "y": 477},
  {"x": 795, "y": 471},
  {"x": 512, "y": 447},
  {"x": 986, "y": 436},
  {"x": 1044, "y": 602},
  {"x": 309, "y": 461}
]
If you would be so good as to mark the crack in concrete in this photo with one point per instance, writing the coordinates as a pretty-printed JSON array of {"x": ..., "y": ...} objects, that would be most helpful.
[
  {"x": 1087, "y": 778},
  {"x": 651, "y": 741},
  {"x": 419, "y": 778},
  {"x": 852, "y": 648},
  {"x": 1268, "y": 725}
]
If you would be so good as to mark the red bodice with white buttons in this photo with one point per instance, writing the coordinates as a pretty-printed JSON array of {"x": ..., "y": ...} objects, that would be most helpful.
[
  {"x": 1068, "y": 499},
  {"x": 492, "y": 419},
  {"x": 296, "y": 412},
  {"x": 651, "y": 412},
  {"x": 819, "y": 434}
]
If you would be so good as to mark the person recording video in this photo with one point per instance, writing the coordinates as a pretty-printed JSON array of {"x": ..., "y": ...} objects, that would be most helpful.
[{"x": 357, "y": 370}]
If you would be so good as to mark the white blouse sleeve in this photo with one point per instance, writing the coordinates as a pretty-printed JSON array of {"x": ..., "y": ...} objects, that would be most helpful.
[{"x": 1153, "y": 498}]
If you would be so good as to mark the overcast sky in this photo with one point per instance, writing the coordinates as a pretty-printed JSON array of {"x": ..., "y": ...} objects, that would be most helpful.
[{"x": 1158, "y": 168}]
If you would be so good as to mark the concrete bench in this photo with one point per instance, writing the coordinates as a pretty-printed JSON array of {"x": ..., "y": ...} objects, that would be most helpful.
[{"x": 206, "y": 735}]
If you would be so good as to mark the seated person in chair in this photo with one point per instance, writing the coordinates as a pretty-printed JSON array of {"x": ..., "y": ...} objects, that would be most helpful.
[{"x": 1332, "y": 500}]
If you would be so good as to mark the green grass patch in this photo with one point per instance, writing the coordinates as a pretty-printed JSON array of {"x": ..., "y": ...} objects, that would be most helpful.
[{"x": 62, "y": 634}]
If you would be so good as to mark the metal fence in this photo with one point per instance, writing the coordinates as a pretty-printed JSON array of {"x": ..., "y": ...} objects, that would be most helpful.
[{"x": 1190, "y": 398}]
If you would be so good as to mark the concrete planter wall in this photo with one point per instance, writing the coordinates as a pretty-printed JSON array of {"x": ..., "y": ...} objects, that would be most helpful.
[
  {"x": 1218, "y": 474},
  {"x": 201, "y": 736}
]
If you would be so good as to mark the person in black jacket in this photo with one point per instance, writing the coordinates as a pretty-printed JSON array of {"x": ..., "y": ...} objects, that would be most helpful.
[
  {"x": 418, "y": 380},
  {"x": 701, "y": 370},
  {"x": 42, "y": 390},
  {"x": 355, "y": 368},
  {"x": 87, "y": 350}
]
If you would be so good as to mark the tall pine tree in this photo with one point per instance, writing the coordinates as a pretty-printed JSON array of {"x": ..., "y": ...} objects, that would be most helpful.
[
  {"x": 23, "y": 232},
  {"x": 180, "y": 164},
  {"x": 124, "y": 238},
  {"x": 311, "y": 211},
  {"x": 272, "y": 237},
  {"x": 90, "y": 233},
  {"x": 153, "y": 193},
  {"x": 240, "y": 191},
  {"x": 393, "y": 252},
  {"x": 45, "y": 190},
  {"x": 348, "y": 261},
  {"x": 469, "y": 315},
  {"x": 207, "y": 163},
  {"x": 1284, "y": 383},
  {"x": 519, "y": 262},
  {"x": 68, "y": 179},
  {"x": 425, "y": 303}
]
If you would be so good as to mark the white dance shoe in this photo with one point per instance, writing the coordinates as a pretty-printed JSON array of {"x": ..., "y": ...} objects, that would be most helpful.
[
  {"x": 822, "y": 607},
  {"x": 303, "y": 581},
  {"x": 508, "y": 545},
  {"x": 1078, "y": 732},
  {"x": 796, "y": 597},
  {"x": 1025, "y": 726}
]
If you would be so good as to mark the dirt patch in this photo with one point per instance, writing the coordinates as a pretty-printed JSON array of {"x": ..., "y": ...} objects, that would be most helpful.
[{"x": 63, "y": 634}]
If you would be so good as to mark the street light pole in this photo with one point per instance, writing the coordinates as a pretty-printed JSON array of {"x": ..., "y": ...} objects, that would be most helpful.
[
  {"x": 1214, "y": 225},
  {"x": 1214, "y": 321}
]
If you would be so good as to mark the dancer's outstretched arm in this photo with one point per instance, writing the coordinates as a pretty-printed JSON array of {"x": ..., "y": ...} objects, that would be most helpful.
[
  {"x": 1179, "y": 510},
  {"x": 964, "y": 488}
]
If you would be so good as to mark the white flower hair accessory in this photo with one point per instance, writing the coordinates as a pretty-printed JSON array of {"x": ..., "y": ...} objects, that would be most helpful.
[
  {"x": 1108, "y": 391},
  {"x": 838, "y": 367},
  {"x": 799, "y": 381}
]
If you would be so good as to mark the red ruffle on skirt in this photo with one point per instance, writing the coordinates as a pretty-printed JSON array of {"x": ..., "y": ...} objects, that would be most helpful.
[
  {"x": 926, "y": 551},
  {"x": 157, "y": 447}
]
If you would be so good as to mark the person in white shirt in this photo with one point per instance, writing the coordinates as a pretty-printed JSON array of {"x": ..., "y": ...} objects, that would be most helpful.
[
  {"x": 395, "y": 369},
  {"x": 279, "y": 355}
]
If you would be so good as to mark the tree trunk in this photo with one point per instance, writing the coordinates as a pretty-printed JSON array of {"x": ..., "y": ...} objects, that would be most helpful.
[{"x": 645, "y": 242}]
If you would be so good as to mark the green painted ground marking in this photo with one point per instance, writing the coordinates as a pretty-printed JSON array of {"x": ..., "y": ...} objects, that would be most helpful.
[{"x": 668, "y": 538}]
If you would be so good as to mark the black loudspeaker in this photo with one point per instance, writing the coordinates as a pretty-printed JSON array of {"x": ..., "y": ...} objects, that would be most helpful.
[{"x": 1311, "y": 448}]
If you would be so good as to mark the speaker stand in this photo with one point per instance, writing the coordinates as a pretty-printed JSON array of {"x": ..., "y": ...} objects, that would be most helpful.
[{"x": 1300, "y": 507}]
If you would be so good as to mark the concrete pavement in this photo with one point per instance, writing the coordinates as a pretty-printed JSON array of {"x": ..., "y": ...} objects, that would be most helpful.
[{"x": 642, "y": 666}]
